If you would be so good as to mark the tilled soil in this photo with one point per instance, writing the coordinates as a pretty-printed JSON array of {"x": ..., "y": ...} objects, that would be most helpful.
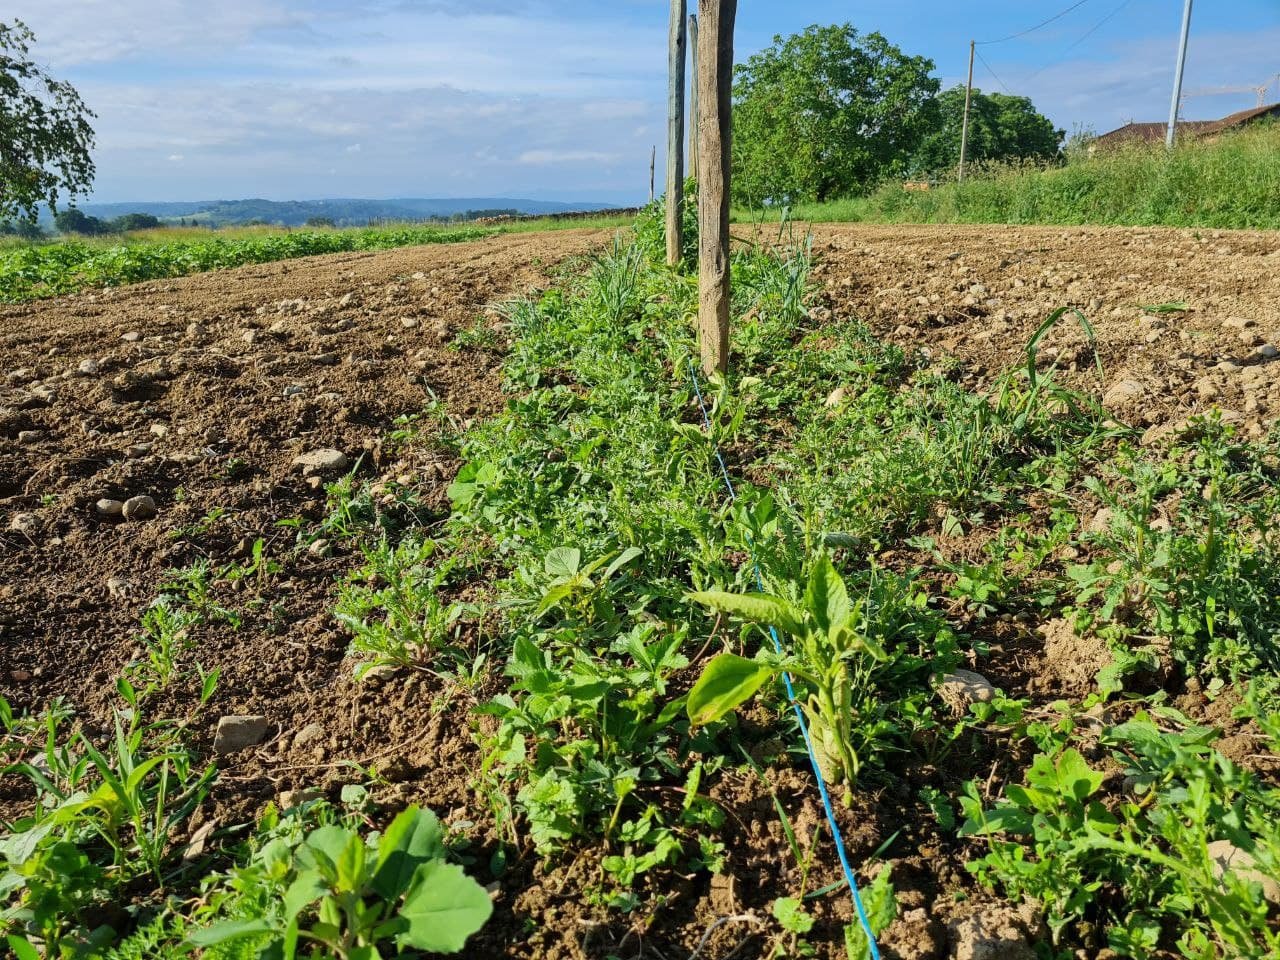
[
  {"x": 980, "y": 293},
  {"x": 201, "y": 392}
]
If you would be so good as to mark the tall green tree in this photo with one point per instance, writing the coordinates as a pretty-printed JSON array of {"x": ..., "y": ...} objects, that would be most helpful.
[
  {"x": 45, "y": 136},
  {"x": 1001, "y": 127},
  {"x": 826, "y": 113}
]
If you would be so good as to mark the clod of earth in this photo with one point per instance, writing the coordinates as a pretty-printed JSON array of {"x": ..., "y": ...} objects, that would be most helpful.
[
  {"x": 237, "y": 733},
  {"x": 1123, "y": 392},
  {"x": 1226, "y": 856},
  {"x": 960, "y": 688},
  {"x": 24, "y": 523},
  {"x": 322, "y": 462},
  {"x": 139, "y": 508}
]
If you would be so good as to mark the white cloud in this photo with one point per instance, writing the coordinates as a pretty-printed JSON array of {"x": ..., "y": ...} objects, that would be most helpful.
[
  {"x": 354, "y": 148},
  {"x": 176, "y": 158},
  {"x": 538, "y": 158}
]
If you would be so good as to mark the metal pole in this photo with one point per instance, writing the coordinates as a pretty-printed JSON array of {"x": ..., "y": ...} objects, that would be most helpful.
[
  {"x": 1171, "y": 135},
  {"x": 675, "y": 134},
  {"x": 964, "y": 129}
]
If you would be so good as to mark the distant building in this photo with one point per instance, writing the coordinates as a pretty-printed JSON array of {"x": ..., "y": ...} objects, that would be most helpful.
[{"x": 1132, "y": 134}]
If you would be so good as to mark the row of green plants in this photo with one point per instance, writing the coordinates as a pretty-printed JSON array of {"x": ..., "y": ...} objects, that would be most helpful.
[{"x": 33, "y": 272}]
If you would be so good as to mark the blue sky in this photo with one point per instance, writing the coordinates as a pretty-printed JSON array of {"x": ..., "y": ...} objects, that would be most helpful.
[{"x": 300, "y": 99}]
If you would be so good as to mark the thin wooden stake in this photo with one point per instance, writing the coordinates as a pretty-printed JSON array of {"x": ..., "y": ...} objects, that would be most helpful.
[
  {"x": 693, "y": 97},
  {"x": 715, "y": 135},
  {"x": 675, "y": 134},
  {"x": 653, "y": 171}
]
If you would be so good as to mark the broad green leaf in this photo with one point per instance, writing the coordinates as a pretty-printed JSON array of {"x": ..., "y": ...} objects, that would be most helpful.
[
  {"x": 443, "y": 908},
  {"x": 553, "y": 597},
  {"x": 323, "y": 847},
  {"x": 562, "y": 561},
  {"x": 304, "y": 891},
  {"x": 229, "y": 930},
  {"x": 413, "y": 838},
  {"x": 350, "y": 864},
  {"x": 621, "y": 561},
  {"x": 826, "y": 595},
  {"x": 728, "y": 681},
  {"x": 756, "y": 607},
  {"x": 789, "y": 912}
]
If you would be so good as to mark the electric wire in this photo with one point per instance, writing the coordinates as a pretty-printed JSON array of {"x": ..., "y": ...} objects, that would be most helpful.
[
  {"x": 1083, "y": 37},
  {"x": 1043, "y": 23},
  {"x": 993, "y": 73}
]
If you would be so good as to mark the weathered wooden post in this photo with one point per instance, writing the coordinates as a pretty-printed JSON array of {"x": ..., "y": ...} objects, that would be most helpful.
[
  {"x": 715, "y": 100},
  {"x": 675, "y": 134},
  {"x": 693, "y": 97},
  {"x": 653, "y": 168}
]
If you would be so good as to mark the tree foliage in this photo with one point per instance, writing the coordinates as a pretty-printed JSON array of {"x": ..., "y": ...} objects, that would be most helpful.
[
  {"x": 1001, "y": 127},
  {"x": 825, "y": 113},
  {"x": 45, "y": 136},
  {"x": 72, "y": 220}
]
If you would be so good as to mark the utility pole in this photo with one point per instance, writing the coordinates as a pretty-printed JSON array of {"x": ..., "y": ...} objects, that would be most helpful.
[
  {"x": 964, "y": 128},
  {"x": 1172, "y": 134},
  {"x": 675, "y": 134},
  {"x": 693, "y": 97},
  {"x": 715, "y": 132}
]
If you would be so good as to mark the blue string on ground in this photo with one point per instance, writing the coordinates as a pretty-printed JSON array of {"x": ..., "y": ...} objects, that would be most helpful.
[{"x": 836, "y": 836}]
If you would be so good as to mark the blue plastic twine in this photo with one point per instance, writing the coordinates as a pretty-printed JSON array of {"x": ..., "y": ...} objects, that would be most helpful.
[{"x": 795, "y": 705}]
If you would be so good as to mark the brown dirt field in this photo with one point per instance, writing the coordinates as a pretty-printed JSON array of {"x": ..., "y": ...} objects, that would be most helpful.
[
  {"x": 979, "y": 294},
  {"x": 194, "y": 413}
]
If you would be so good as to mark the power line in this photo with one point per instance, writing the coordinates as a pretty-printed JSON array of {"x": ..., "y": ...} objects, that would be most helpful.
[
  {"x": 1083, "y": 37},
  {"x": 994, "y": 74},
  {"x": 1043, "y": 23}
]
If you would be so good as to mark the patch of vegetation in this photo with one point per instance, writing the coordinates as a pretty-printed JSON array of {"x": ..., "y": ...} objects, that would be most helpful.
[{"x": 1227, "y": 183}]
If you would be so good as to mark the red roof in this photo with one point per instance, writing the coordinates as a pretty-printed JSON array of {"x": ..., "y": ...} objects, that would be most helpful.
[{"x": 1155, "y": 132}]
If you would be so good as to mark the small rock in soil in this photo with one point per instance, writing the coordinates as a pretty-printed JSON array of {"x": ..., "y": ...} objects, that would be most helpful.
[
  {"x": 139, "y": 508},
  {"x": 312, "y": 731},
  {"x": 1123, "y": 392},
  {"x": 109, "y": 508},
  {"x": 1268, "y": 351},
  {"x": 963, "y": 687},
  {"x": 28, "y": 436},
  {"x": 992, "y": 932},
  {"x": 88, "y": 367},
  {"x": 327, "y": 461},
  {"x": 294, "y": 390},
  {"x": 117, "y": 587},
  {"x": 296, "y": 798},
  {"x": 238, "y": 732},
  {"x": 836, "y": 397},
  {"x": 133, "y": 336},
  {"x": 320, "y": 548},
  {"x": 1226, "y": 856},
  {"x": 24, "y": 523}
]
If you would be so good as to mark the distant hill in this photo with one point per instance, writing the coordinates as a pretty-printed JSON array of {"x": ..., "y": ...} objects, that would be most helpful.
[{"x": 343, "y": 212}]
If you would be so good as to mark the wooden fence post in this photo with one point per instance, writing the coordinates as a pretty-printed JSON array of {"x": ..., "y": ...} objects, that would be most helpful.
[
  {"x": 653, "y": 168},
  {"x": 675, "y": 134},
  {"x": 715, "y": 132},
  {"x": 693, "y": 97}
]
